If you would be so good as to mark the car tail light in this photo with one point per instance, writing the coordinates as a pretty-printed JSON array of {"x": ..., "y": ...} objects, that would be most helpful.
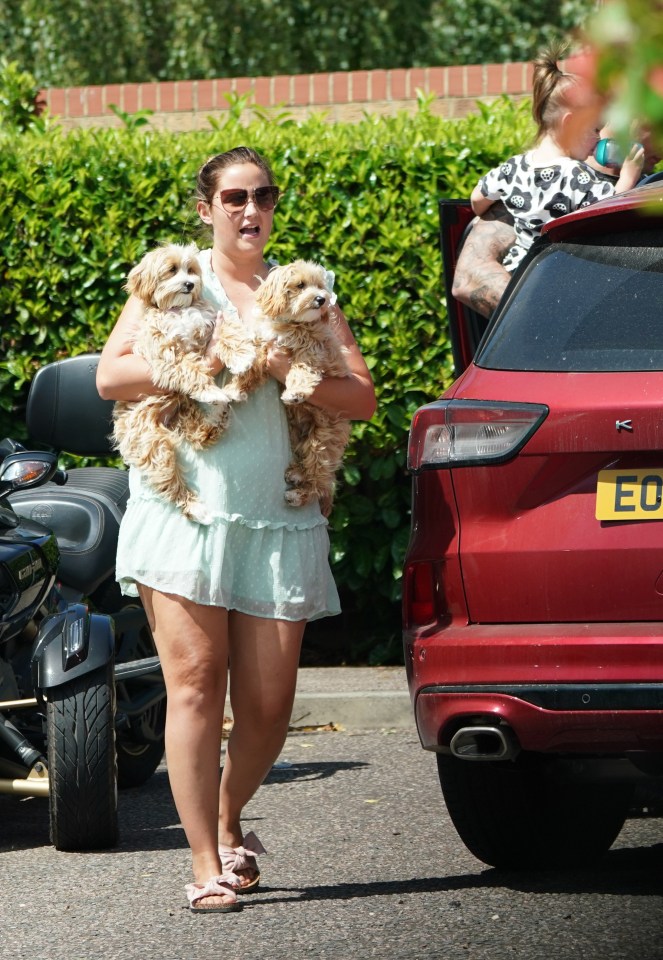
[
  {"x": 457, "y": 433},
  {"x": 419, "y": 594}
]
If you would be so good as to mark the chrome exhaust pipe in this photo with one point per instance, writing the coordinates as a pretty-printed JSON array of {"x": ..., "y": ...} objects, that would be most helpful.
[{"x": 484, "y": 743}]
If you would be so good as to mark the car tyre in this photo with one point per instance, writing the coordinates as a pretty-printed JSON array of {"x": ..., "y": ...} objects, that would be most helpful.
[
  {"x": 81, "y": 762},
  {"x": 516, "y": 814}
]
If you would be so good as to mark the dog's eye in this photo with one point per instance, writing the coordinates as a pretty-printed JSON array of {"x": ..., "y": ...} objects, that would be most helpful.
[{"x": 300, "y": 286}]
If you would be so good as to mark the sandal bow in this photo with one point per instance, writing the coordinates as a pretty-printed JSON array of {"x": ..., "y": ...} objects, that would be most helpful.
[
  {"x": 243, "y": 857},
  {"x": 221, "y": 886}
]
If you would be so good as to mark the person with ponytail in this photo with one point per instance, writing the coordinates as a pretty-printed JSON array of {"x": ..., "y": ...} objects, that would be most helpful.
[{"x": 553, "y": 179}]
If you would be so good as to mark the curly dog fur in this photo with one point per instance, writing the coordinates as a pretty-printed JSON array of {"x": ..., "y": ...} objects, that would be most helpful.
[
  {"x": 293, "y": 309},
  {"x": 173, "y": 338}
]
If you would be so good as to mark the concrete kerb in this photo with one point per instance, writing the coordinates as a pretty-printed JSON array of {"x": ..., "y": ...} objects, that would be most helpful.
[{"x": 352, "y": 698}]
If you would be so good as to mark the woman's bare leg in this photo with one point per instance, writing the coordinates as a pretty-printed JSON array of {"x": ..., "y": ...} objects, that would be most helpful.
[
  {"x": 192, "y": 642},
  {"x": 264, "y": 657}
]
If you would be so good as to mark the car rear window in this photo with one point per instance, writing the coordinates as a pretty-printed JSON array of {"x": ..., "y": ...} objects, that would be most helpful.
[{"x": 589, "y": 305}]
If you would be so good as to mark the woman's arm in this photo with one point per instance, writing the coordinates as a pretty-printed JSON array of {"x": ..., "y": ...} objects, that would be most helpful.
[
  {"x": 479, "y": 203},
  {"x": 121, "y": 374},
  {"x": 353, "y": 396}
]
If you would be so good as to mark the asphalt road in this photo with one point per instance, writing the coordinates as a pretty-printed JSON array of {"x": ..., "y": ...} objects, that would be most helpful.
[{"x": 363, "y": 863}]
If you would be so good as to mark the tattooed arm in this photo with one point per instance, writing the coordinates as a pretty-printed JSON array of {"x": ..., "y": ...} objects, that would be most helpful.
[{"x": 480, "y": 279}]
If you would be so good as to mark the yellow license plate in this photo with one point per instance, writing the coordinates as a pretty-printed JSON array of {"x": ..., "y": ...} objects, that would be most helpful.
[{"x": 629, "y": 495}]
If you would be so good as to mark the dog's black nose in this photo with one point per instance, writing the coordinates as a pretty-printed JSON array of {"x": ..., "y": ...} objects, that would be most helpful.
[
  {"x": 188, "y": 286},
  {"x": 320, "y": 301}
]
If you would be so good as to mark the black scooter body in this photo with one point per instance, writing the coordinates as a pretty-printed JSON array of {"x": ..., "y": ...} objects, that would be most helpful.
[
  {"x": 69, "y": 642},
  {"x": 65, "y": 412}
]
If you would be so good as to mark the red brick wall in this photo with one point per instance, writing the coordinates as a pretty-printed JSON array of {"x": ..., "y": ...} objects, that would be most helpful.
[{"x": 186, "y": 104}]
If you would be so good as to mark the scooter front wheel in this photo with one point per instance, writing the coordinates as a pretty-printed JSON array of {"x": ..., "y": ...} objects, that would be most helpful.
[{"x": 82, "y": 768}]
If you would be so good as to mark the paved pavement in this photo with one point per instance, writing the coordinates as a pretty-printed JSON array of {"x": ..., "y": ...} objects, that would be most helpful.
[
  {"x": 364, "y": 864},
  {"x": 352, "y": 697}
]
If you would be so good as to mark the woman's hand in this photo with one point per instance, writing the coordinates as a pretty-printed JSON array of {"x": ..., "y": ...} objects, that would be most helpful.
[
  {"x": 631, "y": 170},
  {"x": 211, "y": 353},
  {"x": 278, "y": 362},
  {"x": 351, "y": 397}
]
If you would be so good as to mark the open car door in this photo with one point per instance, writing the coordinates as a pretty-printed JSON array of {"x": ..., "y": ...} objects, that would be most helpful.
[{"x": 466, "y": 327}]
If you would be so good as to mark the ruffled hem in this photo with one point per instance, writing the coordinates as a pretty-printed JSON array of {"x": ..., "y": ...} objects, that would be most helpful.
[
  {"x": 129, "y": 588},
  {"x": 313, "y": 520},
  {"x": 271, "y": 570}
]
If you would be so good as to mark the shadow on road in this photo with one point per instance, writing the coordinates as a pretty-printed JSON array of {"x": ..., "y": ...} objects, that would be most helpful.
[
  {"x": 631, "y": 872},
  {"x": 282, "y": 773},
  {"x": 147, "y": 815},
  {"x": 23, "y": 823}
]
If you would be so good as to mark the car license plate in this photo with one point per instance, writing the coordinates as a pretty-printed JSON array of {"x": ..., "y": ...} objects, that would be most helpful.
[{"x": 629, "y": 495}]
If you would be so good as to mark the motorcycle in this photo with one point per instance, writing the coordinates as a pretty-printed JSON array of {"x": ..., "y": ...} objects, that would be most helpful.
[{"x": 82, "y": 698}]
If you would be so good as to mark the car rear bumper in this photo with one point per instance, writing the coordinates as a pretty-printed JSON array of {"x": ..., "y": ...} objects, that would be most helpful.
[
  {"x": 582, "y": 688},
  {"x": 440, "y": 714}
]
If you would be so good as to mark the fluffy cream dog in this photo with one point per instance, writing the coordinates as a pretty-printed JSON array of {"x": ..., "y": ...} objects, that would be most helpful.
[
  {"x": 293, "y": 310},
  {"x": 177, "y": 327}
]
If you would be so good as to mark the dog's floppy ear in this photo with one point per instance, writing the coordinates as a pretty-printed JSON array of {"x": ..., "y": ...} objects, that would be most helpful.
[
  {"x": 141, "y": 278},
  {"x": 190, "y": 251},
  {"x": 272, "y": 295},
  {"x": 133, "y": 279}
]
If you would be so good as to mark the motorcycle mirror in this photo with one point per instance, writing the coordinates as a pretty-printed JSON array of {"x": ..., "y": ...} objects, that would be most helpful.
[{"x": 20, "y": 471}]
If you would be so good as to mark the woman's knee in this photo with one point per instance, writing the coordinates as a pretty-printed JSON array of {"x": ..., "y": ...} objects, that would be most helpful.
[
  {"x": 268, "y": 718},
  {"x": 194, "y": 688}
]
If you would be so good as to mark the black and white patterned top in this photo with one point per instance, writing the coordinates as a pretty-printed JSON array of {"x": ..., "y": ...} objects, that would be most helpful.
[{"x": 534, "y": 195}]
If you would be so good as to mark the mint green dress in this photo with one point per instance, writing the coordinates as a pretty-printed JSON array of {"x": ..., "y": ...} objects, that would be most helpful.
[{"x": 259, "y": 555}]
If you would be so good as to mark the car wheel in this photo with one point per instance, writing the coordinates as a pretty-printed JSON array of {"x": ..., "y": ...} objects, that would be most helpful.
[
  {"x": 81, "y": 762},
  {"x": 517, "y": 815}
]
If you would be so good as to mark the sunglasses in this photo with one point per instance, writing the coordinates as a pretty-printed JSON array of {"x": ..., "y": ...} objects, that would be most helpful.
[{"x": 265, "y": 198}]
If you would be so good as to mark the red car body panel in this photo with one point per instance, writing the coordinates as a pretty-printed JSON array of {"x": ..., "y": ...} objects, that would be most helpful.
[
  {"x": 539, "y": 730},
  {"x": 519, "y": 606},
  {"x": 539, "y": 508}
]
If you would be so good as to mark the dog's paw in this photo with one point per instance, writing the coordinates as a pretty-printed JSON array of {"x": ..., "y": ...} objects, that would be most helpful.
[
  {"x": 198, "y": 513},
  {"x": 296, "y": 497},
  {"x": 219, "y": 416},
  {"x": 243, "y": 360},
  {"x": 235, "y": 393},
  {"x": 294, "y": 476},
  {"x": 212, "y": 394},
  {"x": 289, "y": 397}
]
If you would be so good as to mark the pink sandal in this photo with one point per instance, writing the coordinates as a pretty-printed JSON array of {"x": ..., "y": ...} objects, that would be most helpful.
[
  {"x": 234, "y": 859},
  {"x": 223, "y": 886}
]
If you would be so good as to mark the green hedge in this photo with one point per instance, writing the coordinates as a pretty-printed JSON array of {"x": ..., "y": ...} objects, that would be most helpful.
[{"x": 78, "y": 209}]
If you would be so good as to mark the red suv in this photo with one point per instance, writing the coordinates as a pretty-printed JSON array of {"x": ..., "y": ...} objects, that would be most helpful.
[{"x": 533, "y": 582}]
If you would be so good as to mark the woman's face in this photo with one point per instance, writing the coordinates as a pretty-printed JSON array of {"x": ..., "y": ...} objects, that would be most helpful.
[{"x": 238, "y": 229}]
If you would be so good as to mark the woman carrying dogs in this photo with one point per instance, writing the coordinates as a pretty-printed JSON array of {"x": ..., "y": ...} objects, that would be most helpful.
[{"x": 238, "y": 592}]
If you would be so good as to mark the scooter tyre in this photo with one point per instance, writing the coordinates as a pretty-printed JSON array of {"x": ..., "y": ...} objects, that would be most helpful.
[{"x": 82, "y": 767}]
